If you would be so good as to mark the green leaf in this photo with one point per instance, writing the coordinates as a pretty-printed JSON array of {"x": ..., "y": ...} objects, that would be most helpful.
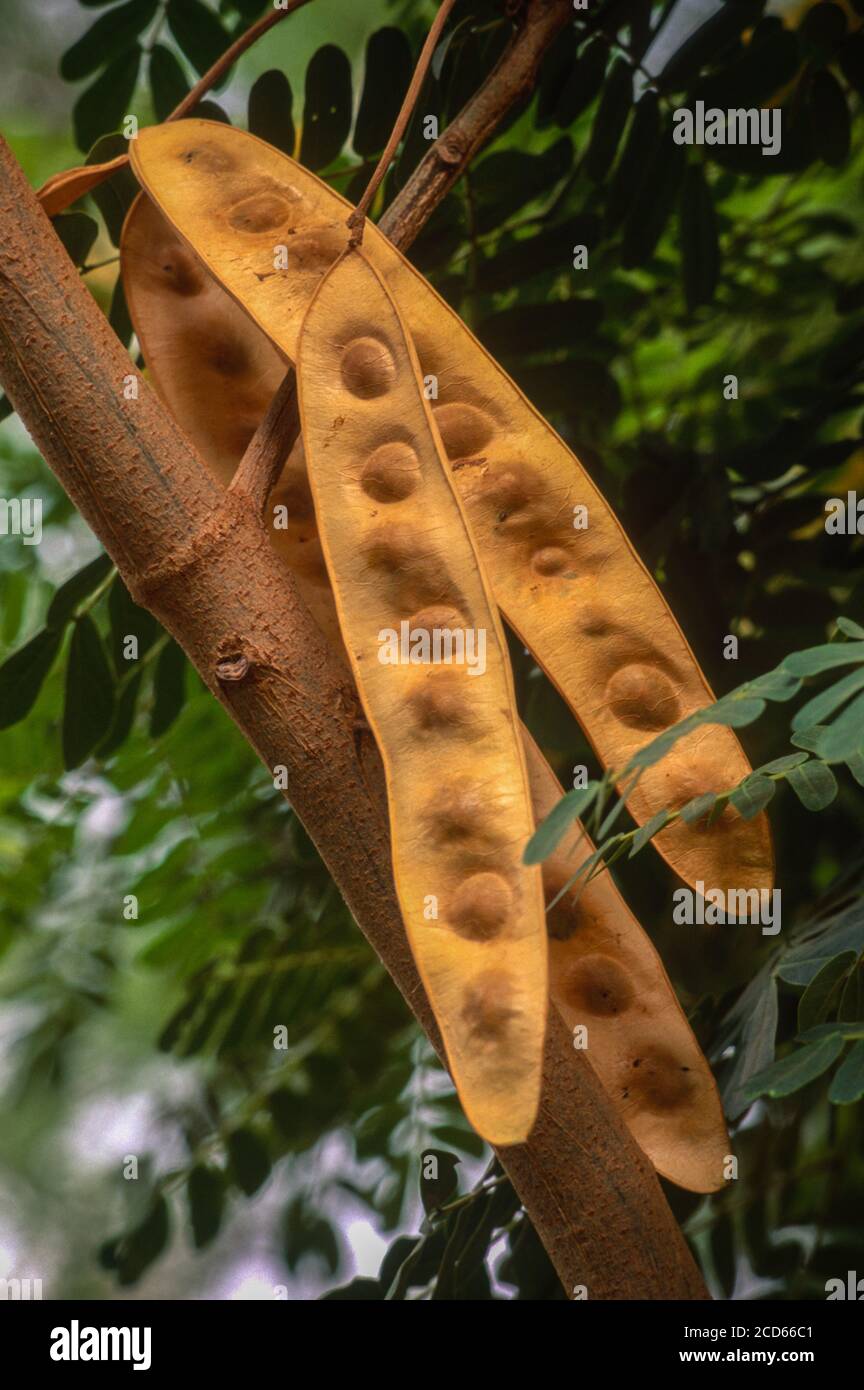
[
  {"x": 783, "y": 764},
  {"x": 801, "y": 1067},
  {"x": 271, "y": 103},
  {"x": 124, "y": 718},
  {"x": 647, "y": 831},
  {"x": 170, "y": 687},
  {"x": 326, "y": 108},
  {"x": 198, "y": 32},
  {"x": 463, "y": 1139},
  {"x": 816, "y": 1001},
  {"x": 845, "y": 737},
  {"x": 552, "y": 829},
  {"x": 652, "y": 207},
  {"x": 754, "y": 1049},
  {"x": 135, "y": 1252},
  {"x": 847, "y": 1085},
  {"x": 389, "y": 64},
  {"x": 609, "y": 122},
  {"x": 118, "y": 315},
  {"x": 753, "y": 795},
  {"x": 583, "y": 83},
  {"x": 829, "y": 118},
  {"x": 823, "y": 705},
  {"x": 88, "y": 709},
  {"x": 128, "y": 620},
  {"x": 168, "y": 83},
  {"x": 112, "y": 36},
  {"x": 636, "y": 158},
  {"x": 814, "y": 784},
  {"x": 815, "y": 660},
  {"x": 732, "y": 712},
  {"x": 698, "y": 808},
  {"x": 79, "y": 587},
  {"x": 700, "y": 248},
  {"x": 23, "y": 673},
  {"x": 855, "y": 765},
  {"x": 102, "y": 107},
  {"x": 778, "y": 685},
  {"x": 808, "y": 738},
  {"x": 850, "y": 629},
  {"x": 113, "y": 197},
  {"x": 851, "y": 1006},
  {"x": 507, "y": 180},
  {"x": 849, "y": 1032},
  {"x": 249, "y": 1160},
  {"x": 77, "y": 232},
  {"x": 205, "y": 1191}
]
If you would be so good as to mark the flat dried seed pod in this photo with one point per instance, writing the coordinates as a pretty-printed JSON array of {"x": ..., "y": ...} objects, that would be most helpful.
[
  {"x": 428, "y": 653},
  {"x": 580, "y": 599},
  {"x": 595, "y": 945},
  {"x": 65, "y": 188},
  {"x": 217, "y": 372},
  {"x": 605, "y": 977}
]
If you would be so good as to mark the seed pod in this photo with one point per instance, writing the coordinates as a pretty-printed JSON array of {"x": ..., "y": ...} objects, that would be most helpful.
[
  {"x": 606, "y": 976},
  {"x": 579, "y": 599},
  {"x": 429, "y": 657},
  {"x": 684, "y": 1139}
]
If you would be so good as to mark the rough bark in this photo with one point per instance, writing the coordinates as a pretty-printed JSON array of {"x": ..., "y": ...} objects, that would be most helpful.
[{"x": 200, "y": 559}]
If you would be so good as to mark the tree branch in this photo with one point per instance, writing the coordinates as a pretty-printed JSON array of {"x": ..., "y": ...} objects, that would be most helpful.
[
  {"x": 510, "y": 81},
  {"x": 258, "y": 470},
  {"x": 201, "y": 561}
]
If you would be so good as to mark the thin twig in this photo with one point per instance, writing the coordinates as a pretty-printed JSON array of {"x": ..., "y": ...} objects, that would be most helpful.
[
  {"x": 270, "y": 446},
  {"x": 357, "y": 220}
]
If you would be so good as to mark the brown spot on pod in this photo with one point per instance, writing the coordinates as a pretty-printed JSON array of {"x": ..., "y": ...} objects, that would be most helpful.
[
  {"x": 642, "y": 698},
  {"x": 488, "y": 1011},
  {"x": 463, "y": 428},
  {"x": 315, "y": 250},
  {"x": 595, "y": 621},
  {"x": 263, "y": 212},
  {"x": 458, "y": 815},
  {"x": 598, "y": 985},
  {"x": 656, "y": 1079},
  {"x": 367, "y": 368},
  {"x": 208, "y": 157},
  {"x": 438, "y": 702},
  {"x": 437, "y": 615},
  {"x": 417, "y": 570},
  {"x": 392, "y": 472},
  {"x": 694, "y": 780},
  {"x": 226, "y": 355},
  {"x": 180, "y": 273},
  {"x": 513, "y": 494},
  {"x": 480, "y": 907},
  {"x": 550, "y": 560}
]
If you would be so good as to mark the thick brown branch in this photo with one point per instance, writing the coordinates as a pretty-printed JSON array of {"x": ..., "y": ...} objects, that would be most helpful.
[
  {"x": 510, "y": 81},
  {"x": 201, "y": 560}
]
